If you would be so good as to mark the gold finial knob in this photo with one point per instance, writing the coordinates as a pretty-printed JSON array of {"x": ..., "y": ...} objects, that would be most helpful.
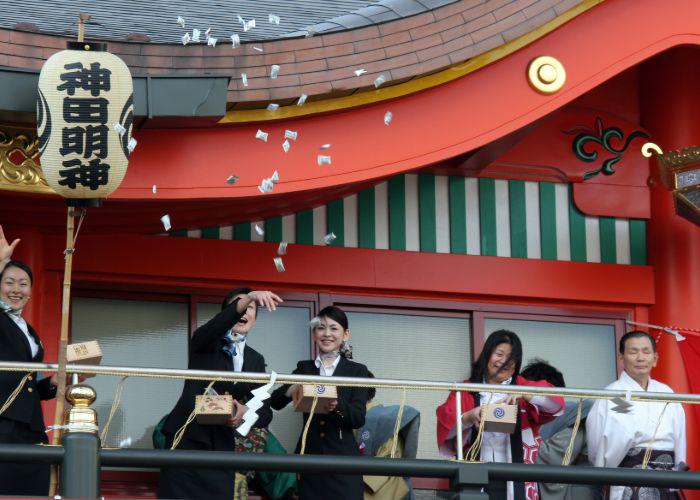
[
  {"x": 81, "y": 395},
  {"x": 81, "y": 418},
  {"x": 546, "y": 74}
]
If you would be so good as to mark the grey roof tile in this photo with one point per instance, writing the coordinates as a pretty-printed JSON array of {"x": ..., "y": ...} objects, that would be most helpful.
[
  {"x": 404, "y": 8},
  {"x": 116, "y": 19},
  {"x": 434, "y": 4},
  {"x": 353, "y": 21}
]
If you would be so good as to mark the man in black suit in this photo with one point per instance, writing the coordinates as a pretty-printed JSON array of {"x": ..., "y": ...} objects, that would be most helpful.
[{"x": 220, "y": 344}]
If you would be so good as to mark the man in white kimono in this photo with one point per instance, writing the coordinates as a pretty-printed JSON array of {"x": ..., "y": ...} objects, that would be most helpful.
[{"x": 619, "y": 432}]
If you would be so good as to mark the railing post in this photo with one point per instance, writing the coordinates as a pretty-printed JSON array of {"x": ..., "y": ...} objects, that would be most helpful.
[
  {"x": 470, "y": 481},
  {"x": 80, "y": 469}
]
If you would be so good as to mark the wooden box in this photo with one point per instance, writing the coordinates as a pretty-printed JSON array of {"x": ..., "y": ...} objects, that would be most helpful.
[
  {"x": 304, "y": 396},
  {"x": 499, "y": 417},
  {"x": 213, "y": 410},
  {"x": 84, "y": 353}
]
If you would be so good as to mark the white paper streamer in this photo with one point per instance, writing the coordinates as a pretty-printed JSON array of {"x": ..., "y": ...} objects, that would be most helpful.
[{"x": 259, "y": 395}]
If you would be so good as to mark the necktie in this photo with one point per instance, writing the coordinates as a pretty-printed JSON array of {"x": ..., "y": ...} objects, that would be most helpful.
[{"x": 230, "y": 349}]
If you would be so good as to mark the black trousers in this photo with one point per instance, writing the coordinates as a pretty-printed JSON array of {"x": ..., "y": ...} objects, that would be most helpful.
[
  {"x": 197, "y": 484},
  {"x": 22, "y": 479}
]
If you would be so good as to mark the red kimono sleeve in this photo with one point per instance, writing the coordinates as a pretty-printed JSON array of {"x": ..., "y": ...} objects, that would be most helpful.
[
  {"x": 538, "y": 417},
  {"x": 446, "y": 418}
]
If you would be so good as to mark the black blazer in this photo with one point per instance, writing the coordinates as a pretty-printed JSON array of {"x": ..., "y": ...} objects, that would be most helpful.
[
  {"x": 206, "y": 353},
  {"x": 331, "y": 433},
  {"x": 14, "y": 346}
]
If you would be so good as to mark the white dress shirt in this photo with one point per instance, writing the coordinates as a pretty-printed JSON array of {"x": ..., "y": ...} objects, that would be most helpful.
[
  {"x": 19, "y": 321},
  {"x": 238, "y": 358},
  {"x": 326, "y": 371}
]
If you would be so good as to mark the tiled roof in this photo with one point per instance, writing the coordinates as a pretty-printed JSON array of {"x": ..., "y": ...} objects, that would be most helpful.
[{"x": 116, "y": 19}]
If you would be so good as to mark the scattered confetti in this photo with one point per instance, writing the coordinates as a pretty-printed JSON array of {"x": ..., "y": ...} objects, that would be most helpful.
[
  {"x": 240, "y": 19},
  {"x": 181, "y": 21},
  {"x": 266, "y": 186},
  {"x": 231, "y": 180},
  {"x": 211, "y": 41},
  {"x": 360, "y": 72},
  {"x": 273, "y": 107},
  {"x": 282, "y": 248},
  {"x": 166, "y": 222},
  {"x": 119, "y": 129},
  {"x": 186, "y": 39},
  {"x": 309, "y": 32},
  {"x": 275, "y": 177},
  {"x": 286, "y": 146},
  {"x": 261, "y": 135},
  {"x": 325, "y": 146},
  {"x": 259, "y": 230},
  {"x": 329, "y": 238},
  {"x": 274, "y": 71},
  {"x": 125, "y": 443},
  {"x": 290, "y": 134},
  {"x": 248, "y": 25},
  {"x": 154, "y": 189},
  {"x": 235, "y": 41},
  {"x": 273, "y": 19},
  {"x": 259, "y": 49},
  {"x": 302, "y": 99},
  {"x": 131, "y": 145},
  {"x": 379, "y": 81},
  {"x": 279, "y": 264},
  {"x": 316, "y": 321},
  {"x": 323, "y": 160},
  {"x": 244, "y": 79},
  {"x": 195, "y": 35},
  {"x": 387, "y": 117}
]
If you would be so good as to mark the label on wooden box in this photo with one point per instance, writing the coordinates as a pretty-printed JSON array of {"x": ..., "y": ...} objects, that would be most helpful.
[
  {"x": 304, "y": 397},
  {"x": 84, "y": 353},
  {"x": 499, "y": 417},
  {"x": 213, "y": 410}
]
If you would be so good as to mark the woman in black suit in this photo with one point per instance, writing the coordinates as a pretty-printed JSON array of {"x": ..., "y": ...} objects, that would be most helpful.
[
  {"x": 331, "y": 433},
  {"x": 23, "y": 421}
]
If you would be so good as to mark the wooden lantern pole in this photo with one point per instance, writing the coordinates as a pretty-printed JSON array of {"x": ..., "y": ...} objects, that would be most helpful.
[{"x": 65, "y": 315}]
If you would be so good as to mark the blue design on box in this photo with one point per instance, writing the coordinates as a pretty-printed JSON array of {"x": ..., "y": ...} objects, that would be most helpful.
[
  {"x": 320, "y": 389},
  {"x": 499, "y": 412}
]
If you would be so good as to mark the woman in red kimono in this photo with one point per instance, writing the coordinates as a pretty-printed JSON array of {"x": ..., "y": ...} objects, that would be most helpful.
[{"x": 499, "y": 363}]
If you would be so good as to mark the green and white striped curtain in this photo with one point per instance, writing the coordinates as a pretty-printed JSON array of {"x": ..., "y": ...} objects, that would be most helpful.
[{"x": 476, "y": 216}]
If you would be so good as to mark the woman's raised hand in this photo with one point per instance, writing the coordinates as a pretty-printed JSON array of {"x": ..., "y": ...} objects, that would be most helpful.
[
  {"x": 265, "y": 299},
  {"x": 6, "y": 248}
]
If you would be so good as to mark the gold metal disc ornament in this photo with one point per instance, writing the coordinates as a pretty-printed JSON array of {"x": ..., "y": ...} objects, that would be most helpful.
[{"x": 546, "y": 74}]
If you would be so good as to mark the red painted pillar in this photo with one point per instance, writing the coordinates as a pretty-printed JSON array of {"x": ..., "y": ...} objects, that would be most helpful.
[{"x": 670, "y": 108}]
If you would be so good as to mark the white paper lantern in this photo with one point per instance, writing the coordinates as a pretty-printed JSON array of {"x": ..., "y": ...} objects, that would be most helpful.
[{"x": 84, "y": 121}]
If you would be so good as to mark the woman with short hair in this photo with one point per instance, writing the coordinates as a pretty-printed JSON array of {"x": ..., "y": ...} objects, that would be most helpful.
[{"x": 331, "y": 433}]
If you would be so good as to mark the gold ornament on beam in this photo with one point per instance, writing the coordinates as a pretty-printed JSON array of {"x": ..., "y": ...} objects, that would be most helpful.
[
  {"x": 19, "y": 163},
  {"x": 546, "y": 74}
]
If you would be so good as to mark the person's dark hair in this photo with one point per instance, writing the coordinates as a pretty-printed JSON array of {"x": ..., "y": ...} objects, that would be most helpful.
[
  {"x": 336, "y": 314},
  {"x": 634, "y": 334},
  {"x": 244, "y": 290},
  {"x": 539, "y": 369},
  {"x": 372, "y": 391},
  {"x": 20, "y": 265},
  {"x": 480, "y": 366}
]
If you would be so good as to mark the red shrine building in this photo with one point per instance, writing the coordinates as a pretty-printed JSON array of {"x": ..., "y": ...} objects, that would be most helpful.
[{"x": 478, "y": 163}]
